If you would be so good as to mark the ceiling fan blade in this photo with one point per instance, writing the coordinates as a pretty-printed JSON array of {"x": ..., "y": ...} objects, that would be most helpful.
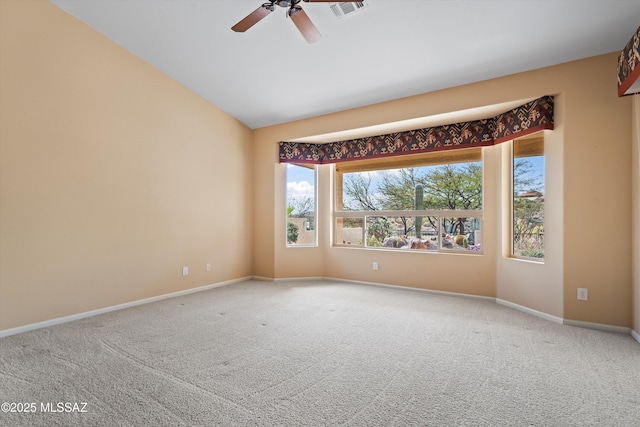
[
  {"x": 304, "y": 24},
  {"x": 251, "y": 19}
]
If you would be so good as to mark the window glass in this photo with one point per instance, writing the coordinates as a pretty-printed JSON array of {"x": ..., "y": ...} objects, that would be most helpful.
[
  {"x": 528, "y": 198},
  {"x": 350, "y": 231},
  {"x": 461, "y": 234},
  {"x": 413, "y": 204},
  {"x": 448, "y": 186},
  {"x": 301, "y": 205}
]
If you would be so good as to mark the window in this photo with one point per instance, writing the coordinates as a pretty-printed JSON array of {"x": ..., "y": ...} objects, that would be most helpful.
[
  {"x": 528, "y": 198},
  {"x": 429, "y": 202},
  {"x": 301, "y": 205}
]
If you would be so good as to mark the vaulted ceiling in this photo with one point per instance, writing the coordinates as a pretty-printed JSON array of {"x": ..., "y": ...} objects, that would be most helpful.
[{"x": 387, "y": 50}]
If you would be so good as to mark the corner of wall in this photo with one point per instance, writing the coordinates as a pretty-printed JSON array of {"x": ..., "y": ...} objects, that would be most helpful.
[{"x": 635, "y": 190}]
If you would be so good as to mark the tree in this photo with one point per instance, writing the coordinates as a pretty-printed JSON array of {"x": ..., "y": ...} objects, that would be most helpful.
[
  {"x": 378, "y": 230},
  {"x": 453, "y": 186},
  {"x": 523, "y": 178},
  {"x": 397, "y": 193},
  {"x": 292, "y": 233},
  {"x": 302, "y": 207},
  {"x": 528, "y": 226},
  {"x": 397, "y": 188},
  {"x": 360, "y": 196},
  {"x": 528, "y": 211},
  {"x": 448, "y": 186},
  {"x": 358, "y": 192}
]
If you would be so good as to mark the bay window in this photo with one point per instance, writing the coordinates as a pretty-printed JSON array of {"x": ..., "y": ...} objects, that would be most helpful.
[{"x": 429, "y": 202}]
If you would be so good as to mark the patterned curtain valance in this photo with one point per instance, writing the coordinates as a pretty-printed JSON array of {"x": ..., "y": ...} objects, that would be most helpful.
[
  {"x": 629, "y": 67},
  {"x": 528, "y": 118}
]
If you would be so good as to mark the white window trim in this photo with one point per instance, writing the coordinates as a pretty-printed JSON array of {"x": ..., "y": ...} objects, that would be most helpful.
[
  {"x": 444, "y": 213},
  {"x": 440, "y": 214}
]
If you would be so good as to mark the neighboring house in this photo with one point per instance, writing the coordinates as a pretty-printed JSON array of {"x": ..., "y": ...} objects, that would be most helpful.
[
  {"x": 531, "y": 195},
  {"x": 306, "y": 235}
]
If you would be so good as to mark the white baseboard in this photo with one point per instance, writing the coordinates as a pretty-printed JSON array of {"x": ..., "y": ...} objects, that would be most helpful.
[
  {"x": 555, "y": 319},
  {"x": 84, "y": 315},
  {"x": 598, "y": 326},
  {"x": 408, "y": 288},
  {"x": 541, "y": 314},
  {"x": 298, "y": 279},
  {"x": 262, "y": 278}
]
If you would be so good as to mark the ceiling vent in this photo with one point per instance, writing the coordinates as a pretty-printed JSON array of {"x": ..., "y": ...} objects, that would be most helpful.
[{"x": 343, "y": 9}]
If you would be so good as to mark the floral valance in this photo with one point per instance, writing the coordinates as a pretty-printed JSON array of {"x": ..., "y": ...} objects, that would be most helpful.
[
  {"x": 629, "y": 67},
  {"x": 528, "y": 118}
]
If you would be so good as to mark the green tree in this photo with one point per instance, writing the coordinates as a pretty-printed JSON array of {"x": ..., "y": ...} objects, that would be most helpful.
[
  {"x": 528, "y": 227},
  {"x": 292, "y": 233},
  {"x": 453, "y": 186},
  {"x": 449, "y": 186},
  {"x": 397, "y": 190},
  {"x": 378, "y": 230}
]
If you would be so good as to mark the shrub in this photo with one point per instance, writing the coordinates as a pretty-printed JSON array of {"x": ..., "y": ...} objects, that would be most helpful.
[{"x": 292, "y": 233}]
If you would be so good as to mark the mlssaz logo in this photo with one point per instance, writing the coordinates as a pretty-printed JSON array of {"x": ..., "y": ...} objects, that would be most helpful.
[{"x": 67, "y": 407}]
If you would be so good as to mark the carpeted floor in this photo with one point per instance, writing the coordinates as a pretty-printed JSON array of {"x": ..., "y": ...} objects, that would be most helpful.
[{"x": 320, "y": 354}]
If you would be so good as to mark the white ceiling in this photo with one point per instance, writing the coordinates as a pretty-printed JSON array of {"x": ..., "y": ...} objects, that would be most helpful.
[{"x": 389, "y": 50}]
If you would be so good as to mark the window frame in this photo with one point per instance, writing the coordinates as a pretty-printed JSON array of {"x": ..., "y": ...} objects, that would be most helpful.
[
  {"x": 531, "y": 140},
  {"x": 428, "y": 159},
  {"x": 314, "y": 244}
]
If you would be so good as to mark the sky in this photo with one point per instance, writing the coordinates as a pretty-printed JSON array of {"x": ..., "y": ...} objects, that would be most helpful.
[
  {"x": 537, "y": 169},
  {"x": 301, "y": 180}
]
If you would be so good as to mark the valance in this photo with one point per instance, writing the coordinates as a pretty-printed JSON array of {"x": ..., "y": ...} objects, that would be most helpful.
[
  {"x": 629, "y": 67},
  {"x": 528, "y": 118}
]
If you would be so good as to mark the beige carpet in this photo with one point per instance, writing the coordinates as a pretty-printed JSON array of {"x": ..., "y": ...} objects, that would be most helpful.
[{"x": 320, "y": 354}]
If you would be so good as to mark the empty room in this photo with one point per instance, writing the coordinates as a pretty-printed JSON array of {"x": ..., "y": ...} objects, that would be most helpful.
[{"x": 311, "y": 213}]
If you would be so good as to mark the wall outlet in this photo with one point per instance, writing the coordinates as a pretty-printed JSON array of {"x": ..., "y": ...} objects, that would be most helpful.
[
  {"x": 208, "y": 267},
  {"x": 583, "y": 294},
  {"x": 375, "y": 265},
  {"x": 185, "y": 271}
]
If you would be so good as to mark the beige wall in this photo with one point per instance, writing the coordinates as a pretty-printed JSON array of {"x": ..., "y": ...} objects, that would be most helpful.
[
  {"x": 636, "y": 211},
  {"x": 463, "y": 273},
  {"x": 597, "y": 174},
  {"x": 588, "y": 180},
  {"x": 527, "y": 283},
  {"x": 112, "y": 175}
]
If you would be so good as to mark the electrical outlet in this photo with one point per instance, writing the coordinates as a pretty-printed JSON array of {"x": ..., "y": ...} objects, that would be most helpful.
[
  {"x": 185, "y": 271},
  {"x": 375, "y": 265},
  {"x": 208, "y": 267},
  {"x": 583, "y": 294}
]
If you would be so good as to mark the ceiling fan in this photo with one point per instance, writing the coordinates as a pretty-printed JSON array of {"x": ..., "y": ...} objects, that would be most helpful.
[{"x": 295, "y": 12}]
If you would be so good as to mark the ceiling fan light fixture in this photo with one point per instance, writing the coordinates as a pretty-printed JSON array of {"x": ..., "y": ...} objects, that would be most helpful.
[{"x": 295, "y": 12}]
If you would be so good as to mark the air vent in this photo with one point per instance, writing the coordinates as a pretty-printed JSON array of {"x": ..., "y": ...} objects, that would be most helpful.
[{"x": 347, "y": 8}]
